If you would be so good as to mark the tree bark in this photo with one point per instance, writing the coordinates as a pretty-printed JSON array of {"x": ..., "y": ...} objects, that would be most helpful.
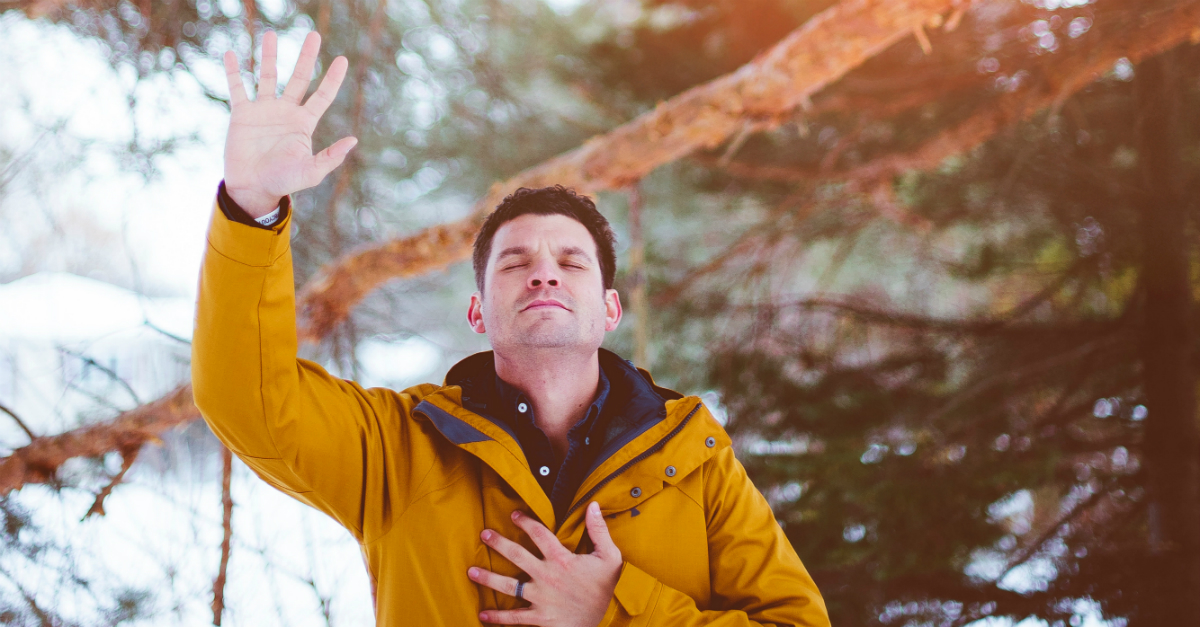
[
  {"x": 1171, "y": 451},
  {"x": 38, "y": 461},
  {"x": 218, "y": 604},
  {"x": 444, "y": 244},
  {"x": 637, "y": 280},
  {"x": 761, "y": 93}
]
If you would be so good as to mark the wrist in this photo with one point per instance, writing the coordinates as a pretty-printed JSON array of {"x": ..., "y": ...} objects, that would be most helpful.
[{"x": 255, "y": 204}]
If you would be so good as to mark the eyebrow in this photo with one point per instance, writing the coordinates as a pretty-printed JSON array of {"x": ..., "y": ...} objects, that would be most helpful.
[
  {"x": 522, "y": 250},
  {"x": 575, "y": 251},
  {"x": 510, "y": 251}
]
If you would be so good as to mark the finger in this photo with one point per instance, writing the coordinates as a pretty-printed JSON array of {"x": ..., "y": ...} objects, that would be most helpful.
[
  {"x": 268, "y": 71},
  {"x": 233, "y": 73},
  {"x": 298, "y": 84},
  {"x": 327, "y": 160},
  {"x": 525, "y": 616},
  {"x": 319, "y": 102},
  {"x": 499, "y": 583},
  {"x": 598, "y": 530},
  {"x": 546, "y": 541},
  {"x": 514, "y": 552}
]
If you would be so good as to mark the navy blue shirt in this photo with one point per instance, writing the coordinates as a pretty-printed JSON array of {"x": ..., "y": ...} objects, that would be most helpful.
[
  {"x": 559, "y": 480},
  {"x": 627, "y": 404}
]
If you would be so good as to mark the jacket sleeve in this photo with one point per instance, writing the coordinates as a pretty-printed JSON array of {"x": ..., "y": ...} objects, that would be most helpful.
[
  {"x": 346, "y": 451},
  {"x": 757, "y": 578}
]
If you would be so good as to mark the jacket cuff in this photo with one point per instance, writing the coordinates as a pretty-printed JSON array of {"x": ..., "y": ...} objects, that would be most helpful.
[
  {"x": 632, "y": 596},
  {"x": 250, "y": 244},
  {"x": 235, "y": 212}
]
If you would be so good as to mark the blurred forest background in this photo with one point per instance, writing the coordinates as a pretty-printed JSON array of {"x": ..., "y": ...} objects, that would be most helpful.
[{"x": 932, "y": 260}]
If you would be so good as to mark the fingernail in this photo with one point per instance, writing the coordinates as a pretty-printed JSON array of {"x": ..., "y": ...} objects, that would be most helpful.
[
  {"x": 487, "y": 535},
  {"x": 516, "y": 514},
  {"x": 483, "y": 617},
  {"x": 472, "y": 572},
  {"x": 593, "y": 508}
]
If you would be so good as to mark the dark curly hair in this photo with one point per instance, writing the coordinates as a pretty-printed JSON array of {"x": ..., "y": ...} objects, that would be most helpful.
[{"x": 548, "y": 201}]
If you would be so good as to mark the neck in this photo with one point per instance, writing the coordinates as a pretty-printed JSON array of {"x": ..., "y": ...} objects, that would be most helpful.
[{"x": 560, "y": 386}]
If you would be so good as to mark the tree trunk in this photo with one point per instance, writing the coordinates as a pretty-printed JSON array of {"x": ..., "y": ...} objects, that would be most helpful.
[
  {"x": 1171, "y": 454},
  {"x": 637, "y": 280}
]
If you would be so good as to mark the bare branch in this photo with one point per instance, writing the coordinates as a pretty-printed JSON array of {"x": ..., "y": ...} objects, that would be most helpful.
[
  {"x": 343, "y": 180},
  {"x": 218, "y": 604},
  {"x": 20, "y": 423},
  {"x": 743, "y": 243},
  {"x": 763, "y": 92},
  {"x": 1061, "y": 77},
  {"x": 38, "y": 461},
  {"x": 108, "y": 371},
  {"x": 815, "y": 55},
  {"x": 164, "y": 332},
  {"x": 127, "y": 459}
]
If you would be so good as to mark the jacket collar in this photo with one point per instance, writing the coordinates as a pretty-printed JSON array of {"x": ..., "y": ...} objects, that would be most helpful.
[
  {"x": 635, "y": 403},
  {"x": 643, "y": 425}
]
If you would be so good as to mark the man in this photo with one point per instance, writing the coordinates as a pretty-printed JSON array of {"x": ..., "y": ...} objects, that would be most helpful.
[{"x": 547, "y": 482}]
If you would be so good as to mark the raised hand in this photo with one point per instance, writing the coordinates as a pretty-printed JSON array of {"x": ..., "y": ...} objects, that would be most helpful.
[
  {"x": 565, "y": 589},
  {"x": 268, "y": 151}
]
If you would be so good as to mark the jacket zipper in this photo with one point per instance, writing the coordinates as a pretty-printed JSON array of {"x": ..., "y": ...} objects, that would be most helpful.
[{"x": 643, "y": 455}]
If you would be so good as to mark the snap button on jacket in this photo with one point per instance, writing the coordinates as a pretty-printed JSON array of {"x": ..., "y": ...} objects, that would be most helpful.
[{"x": 415, "y": 477}]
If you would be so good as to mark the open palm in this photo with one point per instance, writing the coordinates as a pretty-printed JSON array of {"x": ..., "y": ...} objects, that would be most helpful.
[{"x": 268, "y": 151}]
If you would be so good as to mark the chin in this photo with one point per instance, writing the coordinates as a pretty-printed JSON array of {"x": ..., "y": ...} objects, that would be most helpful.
[
  {"x": 541, "y": 337},
  {"x": 549, "y": 340}
]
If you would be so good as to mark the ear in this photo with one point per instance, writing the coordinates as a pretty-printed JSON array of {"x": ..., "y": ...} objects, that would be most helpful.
[
  {"x": 475, "y": 313},
  {"x": 612, "y": 307}
]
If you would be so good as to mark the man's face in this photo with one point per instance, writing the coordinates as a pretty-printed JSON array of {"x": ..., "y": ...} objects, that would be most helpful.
[{"x": 543, "y": 288}]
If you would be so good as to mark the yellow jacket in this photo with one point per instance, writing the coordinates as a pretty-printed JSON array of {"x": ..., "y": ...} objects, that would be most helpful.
[{"x": 415, "y": 477}]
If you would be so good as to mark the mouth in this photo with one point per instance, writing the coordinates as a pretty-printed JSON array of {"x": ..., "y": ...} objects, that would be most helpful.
[{"x": 545, "y": 304}]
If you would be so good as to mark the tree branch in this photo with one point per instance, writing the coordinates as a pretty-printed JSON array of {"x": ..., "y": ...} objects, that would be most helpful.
[
  {"x": 20, "y": 423},
  {"x": 375, "y": 30},
  {"x": 820, "y": 52},
  {"x": 38, "y": 461},
  {"x": 1062, "y": 76},
  {"x": 108, "y": 371},
  {"x": 218, "y": 604},
  {"x": 762, "y": 92},
  {"x": 1036, "y": 546},
  {"x": 127, "y": 459}
]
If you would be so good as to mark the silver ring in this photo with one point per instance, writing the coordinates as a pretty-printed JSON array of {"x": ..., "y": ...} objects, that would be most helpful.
[{"x": 520, "y": 590}]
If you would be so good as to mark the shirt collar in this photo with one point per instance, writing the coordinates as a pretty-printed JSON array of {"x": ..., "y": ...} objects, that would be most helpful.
[{"x": 510, "y": 400}]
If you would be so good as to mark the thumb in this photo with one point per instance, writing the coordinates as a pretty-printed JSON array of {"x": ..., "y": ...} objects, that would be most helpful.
[
  {"x": 598, "y": 530},
  {"x": 327, "y": 160}
]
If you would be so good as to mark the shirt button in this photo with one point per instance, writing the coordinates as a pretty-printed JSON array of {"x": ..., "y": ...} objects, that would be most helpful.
[
  {"x": 710, "y": 442},
  {"x": 544, "y": 471},
  {"x": 636, "y": 492},
  {"x": 522, "y": 408},
  {"x": 670, "y": 471}
]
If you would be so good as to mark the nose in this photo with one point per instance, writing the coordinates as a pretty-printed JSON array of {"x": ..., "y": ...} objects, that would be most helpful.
[{"x": 545, "y": 273}]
